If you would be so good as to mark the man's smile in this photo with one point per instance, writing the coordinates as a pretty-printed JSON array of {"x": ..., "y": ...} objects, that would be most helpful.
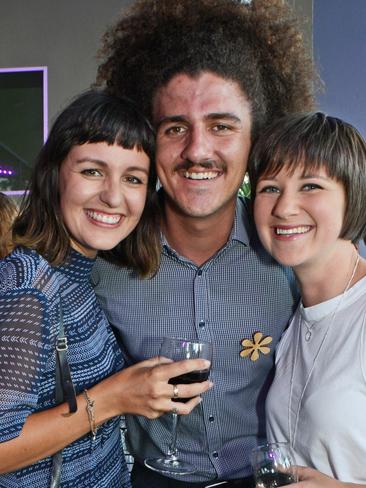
[{"x": 207, "y": 175}]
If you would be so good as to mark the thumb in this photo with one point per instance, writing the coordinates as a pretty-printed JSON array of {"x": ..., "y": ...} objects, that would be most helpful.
[{"x": 304, "y": 473}]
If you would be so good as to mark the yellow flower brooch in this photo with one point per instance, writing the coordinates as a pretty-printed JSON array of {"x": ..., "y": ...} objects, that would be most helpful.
[{"x": 257, "y": 345}]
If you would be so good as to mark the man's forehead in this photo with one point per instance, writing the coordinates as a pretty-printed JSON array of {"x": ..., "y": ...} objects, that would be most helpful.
[
  {"x": 179, "y": 82},
  {"x": 204, "y": 93}
]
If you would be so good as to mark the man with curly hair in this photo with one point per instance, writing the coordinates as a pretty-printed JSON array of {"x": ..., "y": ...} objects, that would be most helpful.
[{"x": 210, "y": 74}]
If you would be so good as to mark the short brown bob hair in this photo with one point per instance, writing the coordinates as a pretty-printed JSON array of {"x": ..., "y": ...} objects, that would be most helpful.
[
  {"x": 312, "y": 141},
  {"x": 95, "y": 116}
]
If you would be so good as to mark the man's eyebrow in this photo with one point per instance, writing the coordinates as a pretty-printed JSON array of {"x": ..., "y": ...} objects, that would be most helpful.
[
  {"x": 223, "y": 115},
  {"x": 211, "y": 116},
  {"x": 171, "y": 118}
]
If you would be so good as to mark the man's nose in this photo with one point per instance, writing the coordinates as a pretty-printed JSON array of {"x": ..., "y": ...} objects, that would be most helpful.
[{"x": 198, "y": 146}]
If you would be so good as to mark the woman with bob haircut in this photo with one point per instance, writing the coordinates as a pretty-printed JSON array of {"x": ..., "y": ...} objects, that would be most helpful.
[
  {"x": 8, "y": 212},
  {"x": 63, "y": 384},
  {"x": 308, "y": 174}
]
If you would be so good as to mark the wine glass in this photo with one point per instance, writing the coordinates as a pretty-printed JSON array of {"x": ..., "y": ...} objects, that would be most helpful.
[
  {"x": 273, "y": 465},
  {"x": 179, "y": 349}
]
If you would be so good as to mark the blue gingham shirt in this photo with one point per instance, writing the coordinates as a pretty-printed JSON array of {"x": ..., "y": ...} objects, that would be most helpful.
[{"x": 238, "y": 292}]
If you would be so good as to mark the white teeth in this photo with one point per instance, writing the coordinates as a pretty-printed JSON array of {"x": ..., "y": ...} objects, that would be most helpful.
[
  {"x": 209, "y": 175},
  {"x": 293, "y": 230},
  {"x": 105, "y": 219}
]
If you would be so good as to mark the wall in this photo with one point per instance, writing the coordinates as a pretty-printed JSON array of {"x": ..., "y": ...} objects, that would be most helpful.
[
  {"x": 63, "y": 35},
  {"x": 340, "y": 52}
]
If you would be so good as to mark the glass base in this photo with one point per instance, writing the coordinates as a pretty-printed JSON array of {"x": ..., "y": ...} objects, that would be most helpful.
[{"x": 170, "y": 465}]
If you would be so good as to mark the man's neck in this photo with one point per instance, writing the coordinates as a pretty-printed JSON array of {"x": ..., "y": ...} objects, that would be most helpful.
[{"x": 198, "y": 239}]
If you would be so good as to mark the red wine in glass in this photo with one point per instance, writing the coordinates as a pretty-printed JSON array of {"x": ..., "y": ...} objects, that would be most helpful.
[
  {"x": 188, "y": 379},
  {"x": 177, "y": 350}
]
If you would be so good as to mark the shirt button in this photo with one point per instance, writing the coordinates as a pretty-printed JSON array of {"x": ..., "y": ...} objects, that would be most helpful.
[
  {"x": 215, "y": 454},
  {"x": 211, "y": 418},
  {"x": 199, "y": 272},
  {"x": 202, "y": 323}
]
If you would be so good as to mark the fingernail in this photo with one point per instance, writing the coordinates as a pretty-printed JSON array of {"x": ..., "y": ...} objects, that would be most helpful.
[
  {"x": 207, "y": 363},
  {"x": 210, "y": 384}
]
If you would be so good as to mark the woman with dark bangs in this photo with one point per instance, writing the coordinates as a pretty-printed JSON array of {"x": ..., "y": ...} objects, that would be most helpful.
[{"x": 63, "y": 383}]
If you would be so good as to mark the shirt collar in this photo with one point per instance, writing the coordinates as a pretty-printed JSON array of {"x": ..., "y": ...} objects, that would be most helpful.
[{"x": 241, "y": 227}]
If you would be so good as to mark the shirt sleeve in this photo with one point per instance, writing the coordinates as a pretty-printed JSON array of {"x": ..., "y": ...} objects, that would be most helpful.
[{"x": 24, "y": 351}]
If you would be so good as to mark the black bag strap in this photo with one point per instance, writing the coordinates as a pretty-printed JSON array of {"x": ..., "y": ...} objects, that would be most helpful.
[
  {"x": 65, "y": 391},
  {"x": 56, "y": 469}
]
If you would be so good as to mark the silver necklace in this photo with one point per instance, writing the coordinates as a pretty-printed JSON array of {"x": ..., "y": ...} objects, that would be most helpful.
[
  {"x": 308, "y": 332},
  {"x": 293, "y": 434}
]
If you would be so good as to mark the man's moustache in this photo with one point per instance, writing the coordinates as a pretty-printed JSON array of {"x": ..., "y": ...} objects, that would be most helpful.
[{"x": 207, "y": 164}]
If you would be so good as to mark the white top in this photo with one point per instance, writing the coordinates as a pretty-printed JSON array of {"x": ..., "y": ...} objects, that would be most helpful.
[{"x": 317, "y": 400}]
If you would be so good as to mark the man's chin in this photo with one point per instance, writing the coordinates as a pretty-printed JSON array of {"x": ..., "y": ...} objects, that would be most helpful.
[{"x": 203, "y": 210}]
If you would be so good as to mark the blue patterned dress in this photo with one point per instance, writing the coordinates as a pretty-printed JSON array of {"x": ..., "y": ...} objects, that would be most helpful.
[{"x": 30, "y": 293}]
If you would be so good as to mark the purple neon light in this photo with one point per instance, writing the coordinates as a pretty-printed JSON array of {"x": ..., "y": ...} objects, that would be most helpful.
[
  {"x": 16, "y": 193},
  {"x": 6, "y": 172}
]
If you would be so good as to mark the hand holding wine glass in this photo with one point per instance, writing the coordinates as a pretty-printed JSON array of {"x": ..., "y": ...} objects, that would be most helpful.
[
  {"x": 177, "y": 350},
  {"x": 273, "y": 465}
]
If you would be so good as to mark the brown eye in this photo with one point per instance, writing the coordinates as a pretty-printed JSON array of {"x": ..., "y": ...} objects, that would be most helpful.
[
  {"x": 176, "y": 130},
  {"x": 133, "y": 180},
  {"x": 221, "y": 128},
  {"x": 91, "y": 172}
]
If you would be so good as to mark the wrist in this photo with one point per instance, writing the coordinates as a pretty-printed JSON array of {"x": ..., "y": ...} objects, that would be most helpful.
[
  {"x": 91, "y": 414},
  {"x": 105, "y": 397}
]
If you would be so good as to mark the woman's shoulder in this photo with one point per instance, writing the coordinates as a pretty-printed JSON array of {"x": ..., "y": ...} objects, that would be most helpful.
[{"x": 24, "y": 269}]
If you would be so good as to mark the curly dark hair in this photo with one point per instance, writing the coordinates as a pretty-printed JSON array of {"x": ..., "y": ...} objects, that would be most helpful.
[{"x": 256, "y": 44}]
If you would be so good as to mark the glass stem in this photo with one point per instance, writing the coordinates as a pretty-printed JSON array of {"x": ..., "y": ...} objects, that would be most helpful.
[{"x": 172, "y": 452}]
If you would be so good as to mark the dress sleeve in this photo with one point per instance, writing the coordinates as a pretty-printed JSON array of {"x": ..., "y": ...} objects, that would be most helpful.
[{"x": 24, "y": 351}]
